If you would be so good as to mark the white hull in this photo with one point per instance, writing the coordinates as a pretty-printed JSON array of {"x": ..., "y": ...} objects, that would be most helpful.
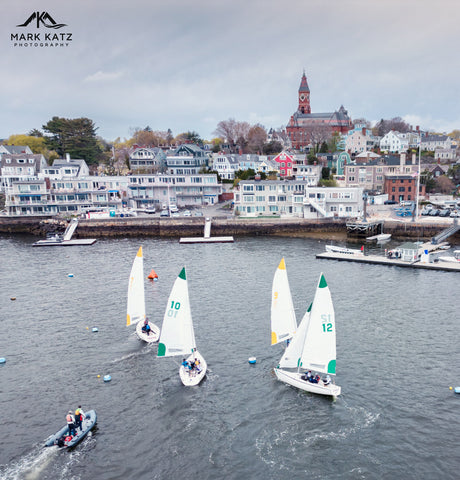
[
  {"x": 381, "y": 237},
  {"x": 336, "y": 249},
  {"x": 191, "y": 377},
  {"x": 294, "y": 379},
  {"x": 154, "y": 332},
  {"x": 449, "y": 259}
]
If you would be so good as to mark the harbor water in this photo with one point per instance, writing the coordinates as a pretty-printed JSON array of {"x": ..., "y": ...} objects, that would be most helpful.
[{"x": 397, "y": 355}]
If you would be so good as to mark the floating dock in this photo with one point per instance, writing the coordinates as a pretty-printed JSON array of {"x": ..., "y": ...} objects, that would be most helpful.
[
  {"x": 207, "y": 236},
  {"x": 66, "y": 239},
  {"x": 380, "y": 260}
]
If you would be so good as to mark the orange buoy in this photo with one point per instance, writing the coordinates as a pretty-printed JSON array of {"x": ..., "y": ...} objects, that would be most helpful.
[{"x": 152, "y": 275}]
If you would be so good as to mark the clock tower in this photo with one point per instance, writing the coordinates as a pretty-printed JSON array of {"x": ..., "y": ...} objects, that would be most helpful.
[{"x": 304, "y": 96}]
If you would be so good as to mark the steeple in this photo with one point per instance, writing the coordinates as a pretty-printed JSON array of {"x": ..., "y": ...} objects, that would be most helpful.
[
  {"x": 304, "y": 95},
  {"x": 304, "y": 84}
]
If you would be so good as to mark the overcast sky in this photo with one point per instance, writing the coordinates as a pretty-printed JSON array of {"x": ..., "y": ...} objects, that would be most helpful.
[{"x": 186, "y": 65}]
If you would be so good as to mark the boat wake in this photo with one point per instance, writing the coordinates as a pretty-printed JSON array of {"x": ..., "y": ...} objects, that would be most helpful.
[{"x": 29, "y": 467}]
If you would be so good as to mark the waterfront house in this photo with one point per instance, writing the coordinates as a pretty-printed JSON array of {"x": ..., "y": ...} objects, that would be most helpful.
[
  {"x": 19, "y": 166},
  {"x": 296, "y": 198},
  {"x": 182, "y": 190}
]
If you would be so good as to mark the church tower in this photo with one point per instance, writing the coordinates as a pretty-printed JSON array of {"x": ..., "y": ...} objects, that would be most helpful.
[{"x": 304, "y": 96}]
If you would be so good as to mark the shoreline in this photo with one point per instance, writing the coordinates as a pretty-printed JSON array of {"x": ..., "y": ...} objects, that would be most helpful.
[{"x": 330, "y": 229}]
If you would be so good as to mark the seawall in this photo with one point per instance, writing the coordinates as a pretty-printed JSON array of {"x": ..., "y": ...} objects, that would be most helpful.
[{"x": 221, "y": 226}]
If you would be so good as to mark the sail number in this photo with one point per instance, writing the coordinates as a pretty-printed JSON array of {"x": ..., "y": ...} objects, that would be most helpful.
[
  {"x": 173, "y": 309},
  {"x": 327, "y": 325}
]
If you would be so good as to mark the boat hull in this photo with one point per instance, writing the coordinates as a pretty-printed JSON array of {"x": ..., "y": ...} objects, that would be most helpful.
[
  {"x": 154, "y": 332},
  {"x": 191, "y": 377},
  {"x": 335, "y": 249},
  {"x": 87, "y": 424},
  {"x": 294, "y": 379}
]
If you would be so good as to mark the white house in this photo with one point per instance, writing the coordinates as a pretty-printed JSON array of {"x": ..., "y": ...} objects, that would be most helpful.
[
  {"x": 225, "y": 165},
  {"x": 394, "y": 142},
  {"x": 295, "y": 198},
  {"x": 20, "y": 166},
  {"x": 432, "y": 142},
  {"x": 181, "y": 190}
]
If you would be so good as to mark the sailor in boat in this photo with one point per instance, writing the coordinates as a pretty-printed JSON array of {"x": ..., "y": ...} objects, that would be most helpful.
[
  {"x": 71, "y": 423},
  {"x": 146, "y": 326},
  {"x": 326, "y": 380},
  {"x": 197, "y": 365},
  {"x": 79, "y": 416}
]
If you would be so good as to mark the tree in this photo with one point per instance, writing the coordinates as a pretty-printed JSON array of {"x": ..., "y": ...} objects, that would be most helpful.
[
  {"x": 272, "y": 148},
  {"x": 257, "y": 136},
  {"x": 35, "y": 133},
  {"x": 318, "y": 134},
  {"x": 334, "y": 142},
  {"x": 36, "y": 144},
  {"x": 384, "y": 126},
  {"x": 325, "y": 173},
  {"x": 145, "y": 137},
  {"x": 444, "y": 184},
  {"x": 77, "y": 137},
  {"x": 234, "y": 133}
]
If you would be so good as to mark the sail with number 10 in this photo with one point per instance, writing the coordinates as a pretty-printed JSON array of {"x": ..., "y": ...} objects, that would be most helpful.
[
  {"x": 313, "y": 348},
  {"x": 177, "y": 334}
]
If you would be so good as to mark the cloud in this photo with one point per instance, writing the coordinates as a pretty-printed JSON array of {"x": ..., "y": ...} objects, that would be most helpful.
[{"x": 101, "y": 76}]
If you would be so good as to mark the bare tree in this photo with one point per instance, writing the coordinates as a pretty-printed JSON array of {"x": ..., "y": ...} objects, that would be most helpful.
[
  {"x": 318, "y": 134},
  {"x": 257, "y": 136}
]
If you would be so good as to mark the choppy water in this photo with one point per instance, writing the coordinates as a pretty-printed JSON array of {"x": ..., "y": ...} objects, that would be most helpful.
[{"x": 397, "y": 355}]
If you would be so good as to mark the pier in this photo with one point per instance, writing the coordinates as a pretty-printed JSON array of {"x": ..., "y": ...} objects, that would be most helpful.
[{"x": 381, "y": 260}]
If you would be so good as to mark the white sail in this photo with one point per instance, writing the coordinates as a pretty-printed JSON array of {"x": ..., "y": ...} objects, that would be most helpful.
[
  {"x": 177, "y": 336},
  {"x": 136, "y": 299},
  {"x": 283, "y": 321},
  {"x": 319, "y": 351},
  {"x": 292, "y": 354}
]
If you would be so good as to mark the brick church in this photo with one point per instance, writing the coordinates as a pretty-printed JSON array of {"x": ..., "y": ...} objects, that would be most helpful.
[{"x": 303, "y": 124}]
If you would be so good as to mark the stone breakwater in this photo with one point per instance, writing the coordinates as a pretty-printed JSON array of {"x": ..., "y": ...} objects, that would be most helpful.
[{"x": 333, "y": 229}]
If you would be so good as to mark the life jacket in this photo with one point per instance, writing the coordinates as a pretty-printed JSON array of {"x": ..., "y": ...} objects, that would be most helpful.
[
  {"x": 69, "y": 418},
  {"x": 77, "y": 412}
]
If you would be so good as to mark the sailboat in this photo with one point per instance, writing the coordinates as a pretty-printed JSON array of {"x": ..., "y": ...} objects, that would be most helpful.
[
  {"x": 177, "y": 335},
  {"x": 313, "y": 347},
  {"x": 283, "y": 321},
  {"x": 136, "y": 301}
]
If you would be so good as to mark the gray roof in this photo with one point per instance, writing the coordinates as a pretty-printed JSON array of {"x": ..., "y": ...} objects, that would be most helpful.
[{"x": 15, "y": 149}]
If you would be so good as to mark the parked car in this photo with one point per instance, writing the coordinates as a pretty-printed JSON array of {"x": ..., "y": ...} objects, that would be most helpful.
[
  {"x": 445, "y": 212},
  {"x": 390, "y": 202},
  {"x": 164, "y": 213},
  {"x": 434, "y": 212},
  {"x": 173, "y": 208},
  {"x": 198, "y": 213},
  {"x": 406, "y": 203},
  {"x": 425, "y": 211},
  {"x": 150, "y": 210},
  {"x": 455, "y": 213},
  {"x": 187, "y": 213}
]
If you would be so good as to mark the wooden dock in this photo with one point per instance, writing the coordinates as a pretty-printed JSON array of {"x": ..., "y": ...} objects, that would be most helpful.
[{"x": 380, "y": 260}]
